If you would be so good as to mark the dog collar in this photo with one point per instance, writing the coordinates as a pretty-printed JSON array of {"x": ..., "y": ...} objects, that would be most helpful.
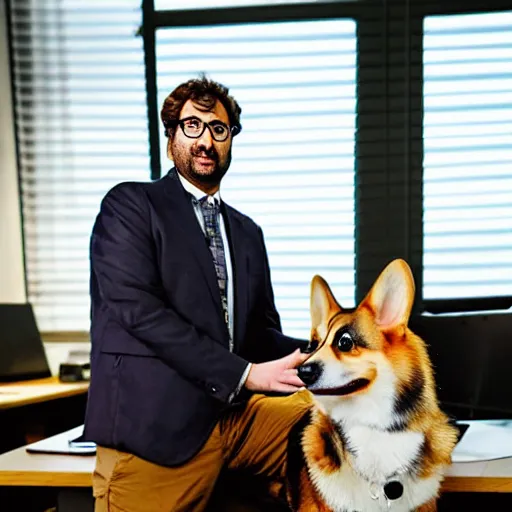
[
  {"x": 393, "y": 490},
  {"x": 390, "y": 491}
]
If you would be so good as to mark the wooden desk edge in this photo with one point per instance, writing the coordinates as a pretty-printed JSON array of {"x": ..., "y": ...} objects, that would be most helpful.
[
  {"x": 45, "y": 479},
  {"x": 42, "y": 398},
  {"x": 77, "y": 389},
  {"x": 84, "y": 479},
  {"x": 477, "y": 484}
]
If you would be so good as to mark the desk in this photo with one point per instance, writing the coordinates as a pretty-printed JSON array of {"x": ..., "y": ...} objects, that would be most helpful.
[
  {"x": 36, "y": 409},
  {"x": 19, "y": 468},
  {"x": 74, "y": 472},
  {"x": 487, "y": 476},
  {"x": 37, "y": 481},
  {"x": 17, "y": 394}
]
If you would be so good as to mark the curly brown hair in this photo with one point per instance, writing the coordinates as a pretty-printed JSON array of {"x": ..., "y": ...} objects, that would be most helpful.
[{"x": 204, "y": 92}]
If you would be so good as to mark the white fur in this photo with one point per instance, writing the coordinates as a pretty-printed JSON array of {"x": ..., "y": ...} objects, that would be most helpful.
[
  {"x": 345, "y": 490},
  {"x": 376, "y": 455},
  {"x": 375, "y": 458},
  {"x": 373, "y": 406},
  {"x": 382, "y": 453}
]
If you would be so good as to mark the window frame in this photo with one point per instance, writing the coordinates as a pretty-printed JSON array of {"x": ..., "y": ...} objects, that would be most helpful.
[
  {"x": 378, "y": 164},
  {"x": 464, "y": 304},
  {"x": 403, "y": 171}
]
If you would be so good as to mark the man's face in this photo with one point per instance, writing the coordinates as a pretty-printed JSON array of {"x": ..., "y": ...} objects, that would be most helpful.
[{"x": 203, "y": 161}]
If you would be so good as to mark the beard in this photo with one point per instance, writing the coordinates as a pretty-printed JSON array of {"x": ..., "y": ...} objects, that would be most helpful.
[{"x": 185, "y": 161}]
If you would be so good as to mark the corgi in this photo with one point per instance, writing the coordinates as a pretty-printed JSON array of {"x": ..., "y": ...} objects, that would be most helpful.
[{"x": 376, "y": 438}]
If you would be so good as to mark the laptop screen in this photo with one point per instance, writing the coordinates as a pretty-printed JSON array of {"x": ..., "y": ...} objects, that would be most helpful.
[{"x": 22, "y": 354}]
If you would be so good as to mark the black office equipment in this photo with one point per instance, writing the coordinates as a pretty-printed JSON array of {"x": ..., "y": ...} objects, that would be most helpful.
[
  {"x": 472, "y": 355},
  {"x": 22, "y": 354},
  {"x": 75, "y": 371}
]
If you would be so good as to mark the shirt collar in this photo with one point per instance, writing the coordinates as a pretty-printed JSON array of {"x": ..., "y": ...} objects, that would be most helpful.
[{"x": 194, "y": 191}]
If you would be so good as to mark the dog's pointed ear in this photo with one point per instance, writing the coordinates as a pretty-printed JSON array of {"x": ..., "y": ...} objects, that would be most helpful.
[
  {"x": 392, "y": 295},
  {"x": 322, "y": 305}
]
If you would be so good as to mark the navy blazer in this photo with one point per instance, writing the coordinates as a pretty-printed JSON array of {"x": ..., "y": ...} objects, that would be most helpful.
[{"x": 161, "y": 369}]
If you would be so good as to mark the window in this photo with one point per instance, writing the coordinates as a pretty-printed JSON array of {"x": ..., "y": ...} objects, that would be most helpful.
[
  {"x": 293, "y": 163},
  {"x": 82, "y": 127},
  {"x": 468, "y": 156}
]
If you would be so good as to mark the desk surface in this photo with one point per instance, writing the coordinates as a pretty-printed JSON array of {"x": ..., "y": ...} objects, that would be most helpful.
[
  {"x": 487, "y": 476},
  {"x": 19, "y": 468},
  {"x": 16, "y": 394}
]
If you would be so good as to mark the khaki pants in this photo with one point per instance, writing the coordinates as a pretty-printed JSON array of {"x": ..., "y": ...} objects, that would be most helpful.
[{"x": 250, "y": 440}]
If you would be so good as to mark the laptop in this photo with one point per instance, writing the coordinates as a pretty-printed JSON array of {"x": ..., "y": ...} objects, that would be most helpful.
[{"x": 22, "y": 354}]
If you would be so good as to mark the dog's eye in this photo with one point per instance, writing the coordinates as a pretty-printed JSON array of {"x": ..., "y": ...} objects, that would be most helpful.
[{"x": 345, "y": 342}]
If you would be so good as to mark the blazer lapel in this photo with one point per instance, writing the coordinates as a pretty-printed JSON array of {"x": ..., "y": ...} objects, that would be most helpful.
[
  {"x": 240, "y": 262},
  {"x": 181, "y": 214}
]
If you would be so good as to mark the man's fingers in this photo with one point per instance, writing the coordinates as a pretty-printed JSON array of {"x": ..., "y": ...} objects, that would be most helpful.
[
  {"x": 285, "y": 388},
  {"x": 301, "y": 357},
  {"x": 292, "y": 380},
  {"x": 295, "y": 359}
]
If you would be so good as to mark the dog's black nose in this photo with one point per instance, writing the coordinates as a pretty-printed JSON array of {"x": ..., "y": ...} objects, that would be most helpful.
[{"x": 309, "y": 373}]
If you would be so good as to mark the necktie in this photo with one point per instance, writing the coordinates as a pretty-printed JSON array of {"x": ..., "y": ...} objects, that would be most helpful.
[{"x": 211, "y": 211}]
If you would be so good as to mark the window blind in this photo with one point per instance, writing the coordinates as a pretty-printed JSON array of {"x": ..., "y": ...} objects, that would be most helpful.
[
  {"x": 81, "y": 118},
  {"x": 468, "y": 155},
  {"x": 293, "y": 163}
]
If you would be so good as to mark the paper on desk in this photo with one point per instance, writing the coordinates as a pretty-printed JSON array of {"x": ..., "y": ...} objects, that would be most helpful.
[{"x": 484, "y": 442}]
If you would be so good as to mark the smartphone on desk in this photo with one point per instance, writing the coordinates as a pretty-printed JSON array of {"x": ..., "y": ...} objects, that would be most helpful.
[
  {"x": 75, "y": 446},
  {"x": 79, "y": 444}
]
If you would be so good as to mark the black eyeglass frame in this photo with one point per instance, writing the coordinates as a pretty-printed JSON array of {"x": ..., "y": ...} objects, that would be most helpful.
[{"x": 233, "y": 130}]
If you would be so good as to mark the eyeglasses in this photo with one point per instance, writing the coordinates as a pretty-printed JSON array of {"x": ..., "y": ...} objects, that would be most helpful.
[{"x": 193, "y": 127}]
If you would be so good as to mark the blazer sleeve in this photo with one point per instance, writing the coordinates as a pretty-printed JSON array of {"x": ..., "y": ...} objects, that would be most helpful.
[
  {"x": 276, "y": 344},
  {"x": 124, "y": 263}
]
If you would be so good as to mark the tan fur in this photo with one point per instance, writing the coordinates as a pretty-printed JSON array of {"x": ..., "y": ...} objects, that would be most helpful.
[
  {"x": 309, "y": 499},
  {"x": 314, "y": 443},
  {"x": 381, "y": 321},
  {"x": 431, "y": 506}
]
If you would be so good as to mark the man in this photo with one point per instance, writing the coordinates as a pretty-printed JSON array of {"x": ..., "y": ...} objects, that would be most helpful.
[{"x": 184, "y": 327}]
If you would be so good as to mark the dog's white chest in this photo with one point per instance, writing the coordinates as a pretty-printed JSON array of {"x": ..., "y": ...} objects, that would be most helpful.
[
  {"x": 378, "y": 454},
  {"x": 376, "y": 458}
]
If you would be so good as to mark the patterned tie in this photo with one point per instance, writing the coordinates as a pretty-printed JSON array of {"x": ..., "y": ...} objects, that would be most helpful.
[{"x": 211, "y": 211}]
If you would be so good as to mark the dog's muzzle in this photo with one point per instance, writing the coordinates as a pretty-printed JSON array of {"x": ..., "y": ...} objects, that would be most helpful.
[{"x": 309, "y": 373}]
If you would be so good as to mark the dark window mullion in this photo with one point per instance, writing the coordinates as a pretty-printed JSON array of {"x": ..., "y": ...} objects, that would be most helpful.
[{"x": 389, "y": 146}]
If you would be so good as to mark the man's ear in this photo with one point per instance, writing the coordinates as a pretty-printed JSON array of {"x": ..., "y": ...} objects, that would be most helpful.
[
  {"x": 322, "y": 306},
  {"x": 392, "y": 296}
]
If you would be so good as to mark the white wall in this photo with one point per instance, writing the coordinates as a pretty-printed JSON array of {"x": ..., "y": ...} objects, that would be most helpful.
[{"x": 12, "y": 280}]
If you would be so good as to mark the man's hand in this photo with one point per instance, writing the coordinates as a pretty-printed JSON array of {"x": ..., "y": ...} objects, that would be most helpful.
[{"x": 279, "y": 375}]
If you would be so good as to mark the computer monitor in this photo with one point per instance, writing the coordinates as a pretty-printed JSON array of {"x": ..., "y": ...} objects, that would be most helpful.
[{"x": 22, "y": 354}]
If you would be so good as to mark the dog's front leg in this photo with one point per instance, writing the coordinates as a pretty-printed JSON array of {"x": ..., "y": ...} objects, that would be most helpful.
[{"x": 309, "y": 500}]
